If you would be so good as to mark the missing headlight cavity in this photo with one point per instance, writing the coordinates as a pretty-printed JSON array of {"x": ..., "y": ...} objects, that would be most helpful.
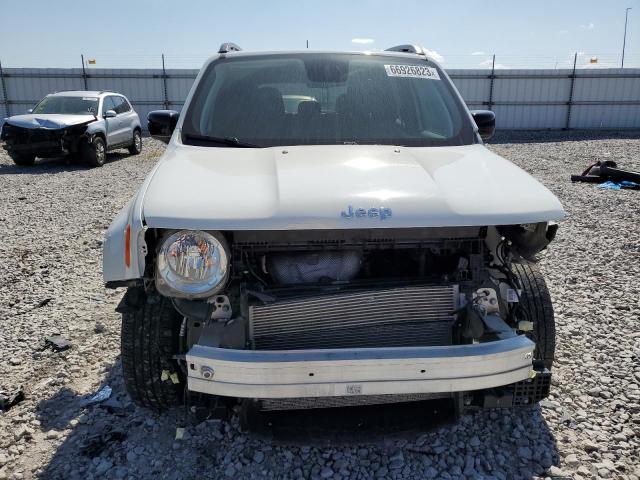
[{"x": 530, "y": 238}]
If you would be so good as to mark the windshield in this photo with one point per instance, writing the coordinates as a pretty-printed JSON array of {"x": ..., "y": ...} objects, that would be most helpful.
[
  {"x": 68, "y": 105},
  {"x": 313, "y": 98}
]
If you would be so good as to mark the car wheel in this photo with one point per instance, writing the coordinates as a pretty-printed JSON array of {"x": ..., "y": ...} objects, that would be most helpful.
[
  {"x": 23, "y": 160},
  {"x": 149, "y": 339},
  {"x": 536, "y": 301},
  {"x": 95, "y": 153},
  {"x": 136, "y": 146}
]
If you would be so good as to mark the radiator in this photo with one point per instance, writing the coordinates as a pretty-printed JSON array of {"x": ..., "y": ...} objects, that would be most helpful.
[{"x": 395, "y": 317}]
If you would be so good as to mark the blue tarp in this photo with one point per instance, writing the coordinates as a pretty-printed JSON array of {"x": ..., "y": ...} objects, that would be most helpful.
[{"x": 618, "y": 185}]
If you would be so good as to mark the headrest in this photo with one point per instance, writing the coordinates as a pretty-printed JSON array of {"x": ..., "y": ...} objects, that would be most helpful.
[{"x": 309, "y": 108}]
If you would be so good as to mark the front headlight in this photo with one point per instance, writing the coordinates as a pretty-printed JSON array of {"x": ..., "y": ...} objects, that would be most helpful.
[{"x": 192, "y": 264}]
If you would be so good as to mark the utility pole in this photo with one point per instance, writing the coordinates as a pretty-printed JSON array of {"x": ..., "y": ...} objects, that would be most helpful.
[
  {"x": 307, "y": 43},
  {"x": 624, "y": 41}
]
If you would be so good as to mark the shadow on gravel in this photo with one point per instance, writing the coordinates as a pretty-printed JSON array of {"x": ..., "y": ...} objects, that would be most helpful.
[
  {"x": 115, "y": 439},
  {"x": 94, "y": 433},
  {"x": 55, "y": 165},
  {"x": 374, "y": 424},
  {"x": 547, "y": 136}
]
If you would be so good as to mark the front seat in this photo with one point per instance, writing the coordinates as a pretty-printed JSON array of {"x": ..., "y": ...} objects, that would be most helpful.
[{"x": 266, "y": 114}]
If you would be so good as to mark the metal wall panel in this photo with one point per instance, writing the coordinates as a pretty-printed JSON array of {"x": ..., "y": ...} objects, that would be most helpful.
[
  {"x": 30, "y": 85},
  {"x": 530, "y": 117},
  {"x": 178, "y": 85},
  {"x": 605, "y": 116},
  {"x": 522, "y": 99},
  {"x": 130, "y": 82},
  {"x": 474, "y": 89},
  {"x": 607, "y": 87},
  {"x": 539, "y": 85}
]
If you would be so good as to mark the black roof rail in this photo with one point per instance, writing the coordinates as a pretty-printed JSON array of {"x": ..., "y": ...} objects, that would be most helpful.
[
  {"x": 418, "y": 50},
  {"x": 229, "y": 47}
]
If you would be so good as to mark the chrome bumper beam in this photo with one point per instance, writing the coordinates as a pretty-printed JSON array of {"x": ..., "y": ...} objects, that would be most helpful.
[{"x": 359, "y": 371}]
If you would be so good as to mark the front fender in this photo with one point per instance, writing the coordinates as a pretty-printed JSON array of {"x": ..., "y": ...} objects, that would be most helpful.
[
  {"x": 114, "y": 264},
  {"x": 115, "y": 267}
]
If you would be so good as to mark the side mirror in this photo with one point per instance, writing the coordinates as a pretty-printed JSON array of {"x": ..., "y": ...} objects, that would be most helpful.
[
  {"x": 30, "y": 110},
  {"x": 109, "y": 114},
  {"x": 162, "y": 123},
  {"x": 486, "y": 122}
]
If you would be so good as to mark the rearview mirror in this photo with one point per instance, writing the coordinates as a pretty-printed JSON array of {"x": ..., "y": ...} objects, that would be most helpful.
[
  {"x": 109, "y": 114},
  {"x": 486, "y": 122},
  {"x": 162, "y": 123}
]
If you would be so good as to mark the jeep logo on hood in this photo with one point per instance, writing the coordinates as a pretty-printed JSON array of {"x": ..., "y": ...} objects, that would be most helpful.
[{"x": 374, "y": 212}]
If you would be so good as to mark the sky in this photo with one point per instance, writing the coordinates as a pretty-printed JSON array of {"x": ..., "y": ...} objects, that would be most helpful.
[{"x": 460, "y": 34}]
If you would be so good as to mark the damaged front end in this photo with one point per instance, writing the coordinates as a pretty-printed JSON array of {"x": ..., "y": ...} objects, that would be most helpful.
[
  {"x": 334, "y": 318},
  {"x": 45, "y": 142}
]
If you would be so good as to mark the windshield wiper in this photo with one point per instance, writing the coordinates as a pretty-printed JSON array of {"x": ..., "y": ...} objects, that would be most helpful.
[{"x": 231, "y": 141}]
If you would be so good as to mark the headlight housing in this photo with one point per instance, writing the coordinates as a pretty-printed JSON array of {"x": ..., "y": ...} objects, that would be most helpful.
[{"x": 192, "y": 264}]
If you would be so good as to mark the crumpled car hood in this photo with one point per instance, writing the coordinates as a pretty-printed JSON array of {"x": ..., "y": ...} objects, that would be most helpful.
[
  {"x": 309, "y": 187},
  {"x": 48, "y": 121}
]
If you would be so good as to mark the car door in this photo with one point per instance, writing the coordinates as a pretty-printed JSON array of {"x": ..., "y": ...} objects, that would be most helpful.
[
  {"x": 111, "y": 124},
  {"x": 128, "y": 119},
  {"x": 122, "y": 108}
]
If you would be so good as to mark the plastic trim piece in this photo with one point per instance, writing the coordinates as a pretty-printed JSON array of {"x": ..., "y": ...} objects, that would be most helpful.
[
  {"x": 229, "y": 47},
  {"x": 418, "y": 50}
]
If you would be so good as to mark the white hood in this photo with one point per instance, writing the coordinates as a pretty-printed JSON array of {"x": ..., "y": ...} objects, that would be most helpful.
[
  {"x": 49, "y": 120},
  {"x": 308, "y": 187}
]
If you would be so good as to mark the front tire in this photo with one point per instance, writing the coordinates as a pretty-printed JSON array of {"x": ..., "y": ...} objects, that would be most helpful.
[
  {"x": 149, "y": 339},
  {"x": 23, "y": 160},
  {"x": 536, "y": 301},
  {"x": 95, "y": 153},
  {"x": 136, "y": 146}
]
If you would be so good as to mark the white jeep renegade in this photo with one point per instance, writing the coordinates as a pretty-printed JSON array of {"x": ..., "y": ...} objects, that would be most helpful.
[{"x": 328, "y": 229}]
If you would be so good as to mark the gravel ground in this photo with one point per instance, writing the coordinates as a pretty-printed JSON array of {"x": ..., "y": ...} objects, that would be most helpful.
[{"x": 53, "y": 219}]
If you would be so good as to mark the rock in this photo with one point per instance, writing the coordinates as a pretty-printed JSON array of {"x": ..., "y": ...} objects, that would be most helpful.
[
  {"x": 604, "y": 473},
  {"x": 396, "y": 461},
  {"x": 584, "y": 471},
  {"x": 525, "y": 453},
  {"x": 431, "y": 472},
  {"x": 620, "y": 437},
  {"x": 470, "y": 472},
  {"x": 590, "y": 446},
  {"x": 121, "y": 472},
  {"x": 572, "y": 460},
  {"x": 382, "y": 472},
  {"x": 555, "y": 471},
  {"x": 326, "y": 472},
  {"x": 595, "y": 391},
  {"x": 258, "y": 456},
  {"x": 103, "y": 467},
  {"x": 22, "y": 432}
]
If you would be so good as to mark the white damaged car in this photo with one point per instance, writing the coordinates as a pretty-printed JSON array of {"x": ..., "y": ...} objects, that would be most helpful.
[{"x": 359, "y": 246}]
